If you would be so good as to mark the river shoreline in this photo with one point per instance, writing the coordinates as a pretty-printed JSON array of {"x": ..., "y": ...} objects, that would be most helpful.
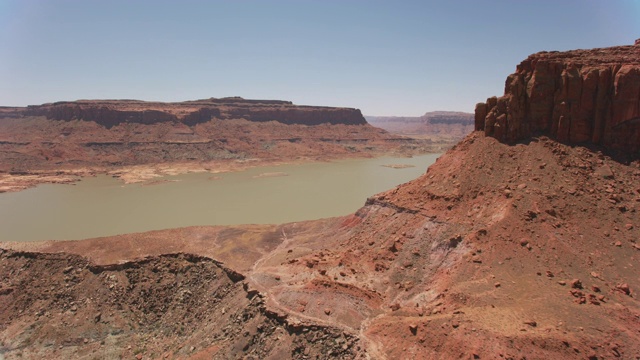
[
  {"x": 275, "y": 193},
  {"x": 133, "y": 174}
]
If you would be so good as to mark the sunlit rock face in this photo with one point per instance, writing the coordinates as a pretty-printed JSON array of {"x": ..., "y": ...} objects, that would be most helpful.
[{"x": 575, "y": 96}]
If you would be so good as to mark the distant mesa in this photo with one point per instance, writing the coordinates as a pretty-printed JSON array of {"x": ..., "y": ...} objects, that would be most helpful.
[
  {"x": 579, "y": 96},
  {"x": 437, "y": 123},
  {"x": 109, "y": 113},
  {"x": 433, "y": 117}
]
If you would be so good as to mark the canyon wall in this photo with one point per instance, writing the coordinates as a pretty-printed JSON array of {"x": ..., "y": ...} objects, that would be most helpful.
[
  {"x": 109, "y": 113},
  {"x": 579, "y": 96}
]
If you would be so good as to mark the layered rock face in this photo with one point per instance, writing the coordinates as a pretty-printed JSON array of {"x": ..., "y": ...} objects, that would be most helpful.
[
  {"x": 577, "y": 96},
  {"x": 109, "y": 113}
]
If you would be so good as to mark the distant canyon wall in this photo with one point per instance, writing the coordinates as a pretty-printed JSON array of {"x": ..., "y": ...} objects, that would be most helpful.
[
  {"x": 436, "y": 123},
  {"x": 109, "y": 113},
  {"x": 579, "y": 96},
  {"x": 108, "y": 133}
]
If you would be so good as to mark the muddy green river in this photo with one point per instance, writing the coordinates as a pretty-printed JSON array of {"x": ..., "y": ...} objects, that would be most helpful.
[{"x": 104, "y": 206}]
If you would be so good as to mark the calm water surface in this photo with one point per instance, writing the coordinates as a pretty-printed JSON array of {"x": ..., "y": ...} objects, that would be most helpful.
[{"x": 103, "y": 206}]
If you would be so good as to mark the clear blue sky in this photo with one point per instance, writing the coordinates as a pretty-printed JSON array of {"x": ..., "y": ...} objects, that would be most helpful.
[{"x": 383, "y": 57}]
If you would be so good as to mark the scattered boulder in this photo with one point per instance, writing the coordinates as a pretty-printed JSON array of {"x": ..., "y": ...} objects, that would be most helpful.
[
  {"x": 604, "y": 172},
  {"x": 624, "y": 287},
  {"x": 576, "y": 284}
]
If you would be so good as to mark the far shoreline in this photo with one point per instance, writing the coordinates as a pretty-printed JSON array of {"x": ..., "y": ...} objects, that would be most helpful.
[{"x": 150, "y": 174}]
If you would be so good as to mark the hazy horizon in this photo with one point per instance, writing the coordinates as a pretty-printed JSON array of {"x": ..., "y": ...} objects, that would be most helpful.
[{"x": 385, "y": 58}]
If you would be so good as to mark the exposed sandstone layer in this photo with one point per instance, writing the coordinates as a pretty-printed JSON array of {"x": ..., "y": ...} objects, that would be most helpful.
[{"x": 574, "y": 96}]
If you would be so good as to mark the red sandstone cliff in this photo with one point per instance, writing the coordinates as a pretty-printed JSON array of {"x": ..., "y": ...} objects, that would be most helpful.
[{"x": 575, "y": 96}]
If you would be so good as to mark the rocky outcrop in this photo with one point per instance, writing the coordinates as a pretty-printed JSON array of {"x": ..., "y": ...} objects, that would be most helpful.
[
  {"x": 109, "y": 113},
  {"x": 579, "y": 96}
]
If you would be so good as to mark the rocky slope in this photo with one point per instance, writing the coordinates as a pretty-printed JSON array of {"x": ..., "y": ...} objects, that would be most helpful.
[
  {"x": 172, "y": 306},
  {"x": 580, "y": 96},
  {"x": 215, "y": 134},
  {"x": 497, "y": 251},
  {"x": 438, "y": 126}
]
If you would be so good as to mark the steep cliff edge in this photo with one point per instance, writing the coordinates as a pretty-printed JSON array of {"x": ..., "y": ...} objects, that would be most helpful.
[{"x": 579, "y": 96}]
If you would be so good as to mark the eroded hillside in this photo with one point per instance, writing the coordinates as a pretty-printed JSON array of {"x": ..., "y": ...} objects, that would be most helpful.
[{"x": 173, "y": 306}]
